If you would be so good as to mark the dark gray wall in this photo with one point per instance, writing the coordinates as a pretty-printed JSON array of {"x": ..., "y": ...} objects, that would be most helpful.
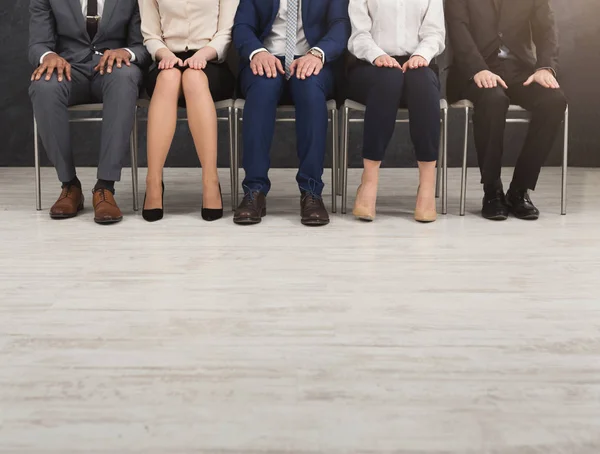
[{"x": 579, "y": 27}]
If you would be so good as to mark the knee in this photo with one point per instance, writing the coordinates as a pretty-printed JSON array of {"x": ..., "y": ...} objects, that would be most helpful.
[
  {"x": 424, "y": 80},
  {"x": 494, "y": 99},
  {"x": 169, "y": 80},
  {"x": 308, "y": 91},
  {"x": 194, "y": 81},
  {"x": 49, "y": 89},
  {"x": 126, "y": 75},
  {"x": 553, "y": 101},
  {"x": 264, "y": 89}
]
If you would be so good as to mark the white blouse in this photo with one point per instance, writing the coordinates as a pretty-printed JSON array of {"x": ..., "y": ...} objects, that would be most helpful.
[
  {"x": 397, "y": 28},
  {"x": 182, "y": 25}
]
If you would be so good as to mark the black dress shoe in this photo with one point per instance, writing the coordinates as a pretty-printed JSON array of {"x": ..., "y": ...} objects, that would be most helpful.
[
  {"x": 521, "y": 206},
  {"x": 155, "y": 214},
  {"x": 252, "y": 209},
  {"x": 213, "y": 214},
  {"x": 312, "y": 210},
  {"x": 494, "y": 206}
]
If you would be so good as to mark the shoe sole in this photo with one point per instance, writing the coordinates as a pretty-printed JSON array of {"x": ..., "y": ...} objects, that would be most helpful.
[
  {"x": 67, "y": 216},
  {"x": 250, "y": 221},
  {"x": 531, "y": 217},
  {"x": 365, "y": 218},
  {"x": 108, "y": 221},
  {"x": 495, "y": 218},
  {"x": 318, "y": 223}
]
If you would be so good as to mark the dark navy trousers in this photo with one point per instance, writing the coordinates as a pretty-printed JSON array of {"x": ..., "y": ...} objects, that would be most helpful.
[{"x": 263, "y": 95}]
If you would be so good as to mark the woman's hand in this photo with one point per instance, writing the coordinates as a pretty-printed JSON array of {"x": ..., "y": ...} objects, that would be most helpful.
[
  {"x": 201, "y": 58},
  {"x": 167, "y": 59},
  {"x": 415, "y": 62},
  {"x": 385, "y": 61}
]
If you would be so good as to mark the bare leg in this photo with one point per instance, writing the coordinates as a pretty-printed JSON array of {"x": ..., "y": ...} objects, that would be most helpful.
[
  {"x": 426, "y": 194},
  {"x": 202, "y": 119},
  {"x": 366, "y": 197},
  {"x": 162, "y": 119}
]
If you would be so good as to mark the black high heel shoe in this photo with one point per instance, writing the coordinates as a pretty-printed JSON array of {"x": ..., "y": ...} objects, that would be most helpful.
[
  {"x": 213, "y": 214},
  {"x": 155, "y": 214}
]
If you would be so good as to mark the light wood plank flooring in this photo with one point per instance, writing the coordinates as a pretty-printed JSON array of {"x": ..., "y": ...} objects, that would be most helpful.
[{"x": 463, "y": 336}]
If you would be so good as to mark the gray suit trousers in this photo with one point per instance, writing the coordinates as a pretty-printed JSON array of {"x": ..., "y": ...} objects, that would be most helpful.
[{"x": 117, "y": 91}]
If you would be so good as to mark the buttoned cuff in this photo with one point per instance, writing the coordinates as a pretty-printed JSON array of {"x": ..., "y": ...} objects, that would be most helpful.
[
  {"x": 44, "y": 56},
  {"x": 257, "y": 51},
  {"x": 318, "y": 49},
  {"x": 131, "y": 53}
]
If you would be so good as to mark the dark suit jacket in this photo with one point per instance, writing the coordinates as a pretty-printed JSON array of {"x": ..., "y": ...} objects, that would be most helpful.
[
  {"x": 478, "y": 28},
  {"x": 326, "y": 25},
  {"x": 59, "y": 26}
]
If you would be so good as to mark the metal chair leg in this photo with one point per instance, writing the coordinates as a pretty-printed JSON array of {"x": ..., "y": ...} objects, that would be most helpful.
[
  {"x": 334, "y": 159},
  {"x": 339, "y": 157},
  {"x": 463, "y": 181},
  {"x": 134, "y": 162},
  {"x": 438, "y": 175},
  {"x": 344, "y": 158},
  {"x": 236, "y": 157},
  {"x": 38, "y": 180},
  {"x": 231, "y": 157},
  {"x": 565, "y": 163},
  {"x": 444, "y": 163}
]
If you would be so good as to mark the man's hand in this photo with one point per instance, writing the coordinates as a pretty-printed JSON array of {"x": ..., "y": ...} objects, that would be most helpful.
[
  {"x": 265, "y": 63},
  {"x": 306, "y": 66},
  {"x": 51, "y": 63},
  {"x": 200, "y": 59},
  {"x": 167, "y": 59},
  {"x": 487, "y": 79},
  {"x": 544, "y": 77},
  {"x": 385, "y": 61},
  {"x": 112, "y": 57},
  {"x": 415, "y": 62}
]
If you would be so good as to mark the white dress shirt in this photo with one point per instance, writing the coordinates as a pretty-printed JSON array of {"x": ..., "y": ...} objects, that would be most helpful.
[
  {"x": 397, "y": 28},
  {"x": 84, "y": 6},
  {"x": 275, "y": 42}
]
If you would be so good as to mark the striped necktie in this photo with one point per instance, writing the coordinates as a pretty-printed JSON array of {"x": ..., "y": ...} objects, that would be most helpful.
[{"x": 291, "y": 36}]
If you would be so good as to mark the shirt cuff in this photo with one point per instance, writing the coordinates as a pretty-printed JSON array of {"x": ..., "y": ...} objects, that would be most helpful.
[
  {"x": 426, "y": 52},
  {"x": 257, "y": 51},
  {"x": 548, "y": 68},
  {"x": 131, "y": 53},
  {"x": 322, "y": 53},
  {"x": 44, "y": 56}
]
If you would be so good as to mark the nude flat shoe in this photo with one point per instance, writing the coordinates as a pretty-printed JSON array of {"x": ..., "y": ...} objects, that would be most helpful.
[
  {"x": 425, "y": 216},
  {"x": 362, "y": 212}
]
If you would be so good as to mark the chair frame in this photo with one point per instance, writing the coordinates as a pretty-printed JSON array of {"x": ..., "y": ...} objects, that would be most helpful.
[
  {"x": 228, "y": 105},
  {"x": 333, "y": 119},
  {"x": 97, "y": 107},
  {"x": 468, "y": 107},
  {"x": 442, "y": 173}
]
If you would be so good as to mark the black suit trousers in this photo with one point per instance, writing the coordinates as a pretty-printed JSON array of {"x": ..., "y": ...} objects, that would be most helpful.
[{"x": 547, "y": 107}]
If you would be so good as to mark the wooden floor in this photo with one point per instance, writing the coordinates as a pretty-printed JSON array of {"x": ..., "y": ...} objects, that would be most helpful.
[{"x": 463, "y": 336}]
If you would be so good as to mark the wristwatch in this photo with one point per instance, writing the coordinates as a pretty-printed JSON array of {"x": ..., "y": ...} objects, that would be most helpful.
[{"x": 316, "y": 53}]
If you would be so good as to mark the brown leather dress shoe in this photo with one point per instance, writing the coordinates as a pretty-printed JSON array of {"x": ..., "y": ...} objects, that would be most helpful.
[
  {"x": 252, "y": 209},
  {"x": 313, "y": 210},
  {"x": 106, "y": 210},
  {"x": 68, "y": 204}
]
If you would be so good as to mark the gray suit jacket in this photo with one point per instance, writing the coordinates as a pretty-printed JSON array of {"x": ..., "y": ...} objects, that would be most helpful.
[{"x": 59, "y": 26}]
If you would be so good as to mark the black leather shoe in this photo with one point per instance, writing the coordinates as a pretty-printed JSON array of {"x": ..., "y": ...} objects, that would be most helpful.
[
  {"x": 494, "y": 206},
  {"x": 155, "y": 214},
  {"x": 252, "y": 209},
  {"x": 312, "y": 210},
  {"x": 521, "y": 206}
]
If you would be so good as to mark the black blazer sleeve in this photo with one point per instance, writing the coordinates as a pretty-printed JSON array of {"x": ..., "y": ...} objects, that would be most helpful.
[
  {"x": 545, "y": 36},
  {"x": 466, "y": 53}
]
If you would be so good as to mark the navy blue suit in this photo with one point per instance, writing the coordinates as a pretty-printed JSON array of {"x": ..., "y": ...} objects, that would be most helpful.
[{"x": 326, "y": 26}]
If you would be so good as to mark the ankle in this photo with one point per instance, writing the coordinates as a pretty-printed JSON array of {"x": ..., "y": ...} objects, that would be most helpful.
[{"x": 210, "y": 180}]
